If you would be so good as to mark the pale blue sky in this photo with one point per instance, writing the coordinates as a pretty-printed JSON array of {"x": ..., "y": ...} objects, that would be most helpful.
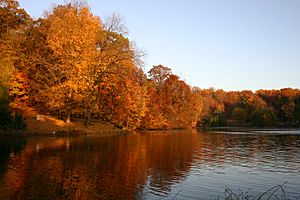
[{"x": 226, "y": 44}]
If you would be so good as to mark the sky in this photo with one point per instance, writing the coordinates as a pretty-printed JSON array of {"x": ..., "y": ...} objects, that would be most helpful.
[{"x": 224, "y": 44}]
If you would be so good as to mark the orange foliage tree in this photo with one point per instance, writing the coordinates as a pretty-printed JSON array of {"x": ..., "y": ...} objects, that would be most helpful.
[
  {"x": 172, "y": 103},
  {"x": 13, "y": 21},
  {"x": 77, "y": 65},
  {"x": 73, "y": 64}
]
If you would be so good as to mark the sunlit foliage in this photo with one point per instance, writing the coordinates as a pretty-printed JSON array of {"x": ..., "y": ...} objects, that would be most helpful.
[{"x": 72, "y": 64}]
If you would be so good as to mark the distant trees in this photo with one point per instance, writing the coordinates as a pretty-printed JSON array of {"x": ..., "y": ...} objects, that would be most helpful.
[{"x": 263, "y": 108}]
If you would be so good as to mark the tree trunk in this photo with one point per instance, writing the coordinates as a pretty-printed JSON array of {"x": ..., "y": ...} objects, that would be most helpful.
[
  {"x": 68, "y": 117},
  {"x": 87, "y": 119},
  {"x": 60, "y": 115}
]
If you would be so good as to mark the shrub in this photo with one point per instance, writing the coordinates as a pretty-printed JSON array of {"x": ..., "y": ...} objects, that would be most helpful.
[{"x": 12, "y": 122}]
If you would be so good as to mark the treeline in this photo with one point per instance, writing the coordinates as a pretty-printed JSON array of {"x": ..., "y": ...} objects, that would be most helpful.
[
  {"x": 264, "y": 108},
  {"x": 72, "y": 64}
]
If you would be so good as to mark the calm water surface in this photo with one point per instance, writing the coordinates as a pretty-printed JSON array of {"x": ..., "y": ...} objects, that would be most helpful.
[{"x": 150, "y": 165}]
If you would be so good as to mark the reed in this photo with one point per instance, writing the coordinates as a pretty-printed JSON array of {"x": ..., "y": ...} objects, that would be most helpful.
[{"x": 276, "y": 192}]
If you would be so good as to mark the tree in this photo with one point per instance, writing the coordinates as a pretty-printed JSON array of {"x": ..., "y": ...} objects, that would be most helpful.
[
  {"x": 159, "y": 74},
  {"x": 64, "y": 45},
  {"x": 155, "y": 117},
  {"x": 121, "y": 84},
  {"x": 72, "y": 36},
  {"x": 13, "y": 83},
  {"x": 13, "y": 21},
  {"x": 18, "y": 91},
  {"x": 265, "y": 117},
  {"x": 283, "y": 102},
  {"x": 213, "y": 107},
  {"x": 172, "y": 103},
  {"x": 77, "y": 64},
  {"x": 297, "y": 111},
  {"x": 287, "y": 112}
]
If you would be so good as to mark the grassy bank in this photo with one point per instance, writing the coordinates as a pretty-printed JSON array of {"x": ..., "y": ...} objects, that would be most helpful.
[{"x": 37, "y": 124}]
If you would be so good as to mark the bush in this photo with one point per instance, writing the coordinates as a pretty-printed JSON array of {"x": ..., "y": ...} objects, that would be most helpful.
[
  {"x": 6, "y": 121},
  {"x": 12, "y": 122},
  {"x": 19, "y": 122}
]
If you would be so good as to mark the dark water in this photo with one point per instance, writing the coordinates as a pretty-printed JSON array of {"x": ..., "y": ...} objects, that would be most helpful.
[{"x": 151, "y": 165}]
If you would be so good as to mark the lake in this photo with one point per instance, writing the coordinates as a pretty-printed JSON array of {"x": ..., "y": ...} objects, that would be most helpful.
[{"x": 190, "y": 164}]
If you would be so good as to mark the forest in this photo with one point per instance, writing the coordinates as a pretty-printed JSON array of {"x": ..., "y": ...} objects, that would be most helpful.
[{"x": 72, "y": 64}]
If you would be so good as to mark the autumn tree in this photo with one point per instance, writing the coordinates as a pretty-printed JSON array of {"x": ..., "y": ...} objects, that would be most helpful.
[
  {"x": 159, "y": 74},
  {"x": 154, "y": 117},
  {"x": 70, "y": 62},
  {"x": 213, "y": 107},
  {"x": 13, "y": 21},
  {"x": 283, "y": 102},
  {"x": 13, "y": 83},
  {"x": 297, "y": 111},
  {"x": 78, "y": 64},
  {"x": 172, "y": 103},
  {"x": 235, "y": 108},
  {"x": 252, "y": 110},
  {"x": 18, "y": 91},
  {"x": 121, "y": 91},
  {"x": 62, "y": 58},
  {"x": 179, "y": 107},
  {"x": 72, "y": 36}
]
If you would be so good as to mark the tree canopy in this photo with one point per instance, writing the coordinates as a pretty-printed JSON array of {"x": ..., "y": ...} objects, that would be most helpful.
[{"x": 72, "y": 64}]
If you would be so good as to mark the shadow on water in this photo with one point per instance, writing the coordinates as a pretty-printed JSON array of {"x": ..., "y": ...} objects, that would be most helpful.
[
  {"x": 150, "y": 165},
  {"x": 8, "y": 148}
]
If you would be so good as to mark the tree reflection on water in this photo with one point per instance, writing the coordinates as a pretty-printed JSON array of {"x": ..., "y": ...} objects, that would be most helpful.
[{"x": 130, "y": 167}]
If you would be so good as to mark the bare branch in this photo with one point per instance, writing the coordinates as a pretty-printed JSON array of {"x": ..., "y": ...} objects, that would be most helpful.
[
  {"x": 79, "y": 4},
  {"x": 139, "y": 55},
  {"x": 115, "y": 23}
]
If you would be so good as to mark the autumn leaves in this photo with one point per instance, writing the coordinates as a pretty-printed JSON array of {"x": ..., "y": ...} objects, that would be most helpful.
[{"x": 72, "y": 64}]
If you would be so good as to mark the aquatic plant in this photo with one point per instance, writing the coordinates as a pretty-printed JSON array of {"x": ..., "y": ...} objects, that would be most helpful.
[{"x": 276, "y": 192}]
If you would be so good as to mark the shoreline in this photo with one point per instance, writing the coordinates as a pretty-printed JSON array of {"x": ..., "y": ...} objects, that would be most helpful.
[
  {"x": 115, "y": 131},
  {"x": 47, "y": 125},
  {"x": 232, "y": 128},
  {"x": 26, "y": 134}
]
